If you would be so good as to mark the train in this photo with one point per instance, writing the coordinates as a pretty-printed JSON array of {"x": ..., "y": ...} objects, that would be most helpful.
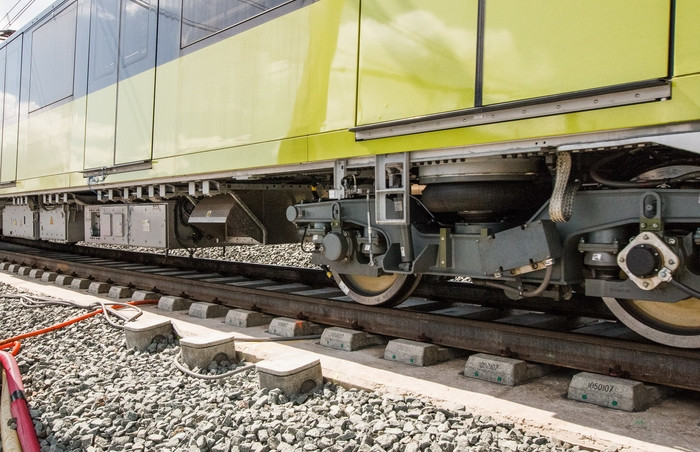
[{"x": 546, "y": 148}]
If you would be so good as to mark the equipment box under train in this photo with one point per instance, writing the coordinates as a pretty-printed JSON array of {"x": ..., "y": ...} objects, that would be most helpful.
[
  {"x": 63, "y": 222},
  {"x": 135, "y": 225},
  {"x": 20, "y": 221}
]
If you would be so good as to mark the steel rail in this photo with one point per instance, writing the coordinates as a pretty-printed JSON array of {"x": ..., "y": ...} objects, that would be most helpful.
[
  {"x": 439, "y": 289},
  {"x": 646, "y": 362}
]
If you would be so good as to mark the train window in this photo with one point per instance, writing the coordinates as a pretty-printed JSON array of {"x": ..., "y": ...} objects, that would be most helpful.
[
  {"x": 135, "y": 19},
  {"x": 53, "y": 59},
  {"x": 105, "y": 30},
  {"x": 202, "y": 19},
  {"x": 13, "y": 65},
  {"x": 3, "y": 55}
]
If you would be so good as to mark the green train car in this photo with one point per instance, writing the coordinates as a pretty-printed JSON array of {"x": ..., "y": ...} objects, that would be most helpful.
[{"x": 543, "y": 148}]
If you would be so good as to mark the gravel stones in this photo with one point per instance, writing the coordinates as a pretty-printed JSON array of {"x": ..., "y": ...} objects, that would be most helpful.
[
  {"x": 87, "y": 392},
  {"x": 289, "y": 255}
]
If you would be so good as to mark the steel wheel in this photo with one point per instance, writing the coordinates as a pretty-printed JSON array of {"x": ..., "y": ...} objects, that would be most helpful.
[
  {"x": 386, "y": 290},
  {"x": 674, "y": 324}
]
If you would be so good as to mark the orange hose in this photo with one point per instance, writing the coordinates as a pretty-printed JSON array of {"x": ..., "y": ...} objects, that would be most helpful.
[
  {"x": 14, "y": 345},
  {"x": 7, "y": 343}
]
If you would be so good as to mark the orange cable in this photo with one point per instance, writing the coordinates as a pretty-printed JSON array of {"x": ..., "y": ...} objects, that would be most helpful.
[{"x": 7, "y": 343}]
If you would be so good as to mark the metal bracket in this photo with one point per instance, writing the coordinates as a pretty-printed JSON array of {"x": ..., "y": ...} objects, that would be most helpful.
[
  {"x": 650, "y": 213},
  {"x": 392, "y": 189},
  {"x": 116, "y": 169}
]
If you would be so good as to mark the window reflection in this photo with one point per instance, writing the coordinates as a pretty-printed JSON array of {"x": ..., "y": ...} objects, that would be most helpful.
[{"x": 204, "y": 18}]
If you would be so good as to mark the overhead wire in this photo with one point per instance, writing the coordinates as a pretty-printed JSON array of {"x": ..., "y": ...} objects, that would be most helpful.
[
  {"x": 19, "y": 14},
  {"x": 7, "y": 15}
]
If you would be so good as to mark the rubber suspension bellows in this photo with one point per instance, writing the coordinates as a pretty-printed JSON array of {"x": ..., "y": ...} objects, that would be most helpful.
[{"x": 561, "y": 205}]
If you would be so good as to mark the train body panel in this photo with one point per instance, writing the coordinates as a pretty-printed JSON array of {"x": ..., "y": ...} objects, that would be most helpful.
[
  {"x": 287, "y": 78},
  {"x": 686, "y": 56},
  {"x": 416, "y": 58},
  {"x": 573, "y": 46},
  {"x": 294, "y": 86},
  {"x": 502, "y": 142}
]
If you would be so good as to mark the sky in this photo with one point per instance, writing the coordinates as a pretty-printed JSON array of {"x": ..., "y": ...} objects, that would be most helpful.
[{"x": 15, "y": 13}]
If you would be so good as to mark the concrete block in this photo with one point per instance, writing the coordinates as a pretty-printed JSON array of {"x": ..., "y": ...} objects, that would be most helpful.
[
  {"x": 200, "y": 351},
  {"x": 202, "y": 310},
  {"x": 293, "y": 374},
  {"x": 24, "y": 271},
  {"x": 64, "y": 280},
  {"x": 49, "y": 276},
  {"x": 141, "y": 295},
  {"x": 416, "y": 353},
  {"x": 120, "y": 292},
  {"x": 5, "y": 266},
  {"x": 80, "y": 284},
  {"x": 141, "y": 333},
  {"x": 612, "y": 392},
  {"x": 505, "y": 371},
  {"x": 246, "y": 319},
  {"x": 97, "y": 287},
  {"x": 287, "y": 327},
  {"x": 13, "y": 268},
  {"x": 174, "y": 304},
  {"x": 350, "y": 340},
  {"x": 36, "y": 273}
]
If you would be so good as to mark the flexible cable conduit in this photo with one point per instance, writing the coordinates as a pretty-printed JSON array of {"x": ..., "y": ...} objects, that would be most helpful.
[
  {"x": 10, "y": 440},
  {"x": 18, "y": 404}
]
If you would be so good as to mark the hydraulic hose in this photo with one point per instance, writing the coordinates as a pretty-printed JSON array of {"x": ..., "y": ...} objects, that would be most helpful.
[
  {"x": 523, "y": 293},
  {"x": 685, "y": 289},
  {"x": 10, "y": 440},
  {"x": 18, "y": 405}
]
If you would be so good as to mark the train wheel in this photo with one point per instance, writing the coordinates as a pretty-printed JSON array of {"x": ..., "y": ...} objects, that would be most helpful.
[
  {"x": 386, "y": 290},
  {"x": 674, "y": 324}
]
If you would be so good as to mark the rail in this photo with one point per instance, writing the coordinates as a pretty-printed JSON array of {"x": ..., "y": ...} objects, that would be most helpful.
[{"x": 641, "y": 361}]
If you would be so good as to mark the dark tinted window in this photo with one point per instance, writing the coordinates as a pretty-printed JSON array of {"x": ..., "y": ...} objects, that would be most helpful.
[
  {"x": 204, "y": 18},
  {"x": 53, "y": 59}
]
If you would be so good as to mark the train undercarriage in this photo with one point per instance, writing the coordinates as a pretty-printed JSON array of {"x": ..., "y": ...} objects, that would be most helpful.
[{"x": 619, "y": 222}]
